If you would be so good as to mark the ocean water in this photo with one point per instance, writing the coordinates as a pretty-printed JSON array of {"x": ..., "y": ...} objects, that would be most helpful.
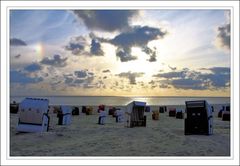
[{"x": 121, "y": 101}]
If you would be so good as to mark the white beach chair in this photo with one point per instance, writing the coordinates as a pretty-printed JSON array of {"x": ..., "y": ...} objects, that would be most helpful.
[
  {"x": 33, "y": 115},
  {"x": 65, "y": 117},
  {"x": 120, "y": 116},
  {"x": 102, "y": 117},
  {"x": 135, "y": 114}
]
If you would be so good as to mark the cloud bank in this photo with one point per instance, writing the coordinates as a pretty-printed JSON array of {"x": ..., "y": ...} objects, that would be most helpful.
[{"x": 105, "y": 20}]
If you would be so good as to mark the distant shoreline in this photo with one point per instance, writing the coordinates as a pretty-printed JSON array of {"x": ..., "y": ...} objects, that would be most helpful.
[{"x": 135, "y": 96}]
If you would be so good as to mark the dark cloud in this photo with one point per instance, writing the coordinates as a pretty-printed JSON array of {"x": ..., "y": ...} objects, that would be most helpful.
[
  {"x": 96, "y": 47},
  {"x": 106, "y": 71},
  {"x": 136, "y": 36},
  {"x": 17, "y": 42},
  {"x": 17, "y": 56},
  {"x": 172, "y": 68},
  {"x": 223, "y": 36},
  {"x": 23, "y": 78},
  {"x": 220, "y": 77},
  {"x": 77, "y": 45},
  {"x": 81, "y": 74},
  {"x": 151, "y": 53},
  {"x": 125, "y": 55},
  {"x": 188, "y": 83},
  {"x": 68, "y": 80},
  {"x": 106, "y": 20},
  {"x": 56, "y": 61},
  {"x": 131, "y": 76},
  {"x": 75, "y": 48},
  {"x": 170, "y": 75},
  {"x": 214, "y": 78},
  {"x": 33, "y": 67}
]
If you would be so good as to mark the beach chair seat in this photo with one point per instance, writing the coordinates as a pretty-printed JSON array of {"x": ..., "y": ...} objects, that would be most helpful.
[
  {"x": 221, "y": 111},
  {"x": 179, "y": 114},
  {"x": 89, "y": 110},
  {"x": 199, "y": 118},
  {"x": 147, "y": 109},
  {"x": 220, "y": 114},
  {"x": 101, "y": 108},
  {"x": 84, "y": 108},
  {"x": 119, "y": 116},
  {"x": 111, "y": 111},
  {"x": 14, "y": 108},
  {"x": 75, "y": 111},
  {"x": 162, "y": 109},
  {"x": 33, "y": 115},
  {"x": 65, "y": 115},
  {"x": 155, "y": 115},
  {"x": 102, "y": 117},
  {"x": 172, "y": 112},
  {"x": 226, "y": 114}
]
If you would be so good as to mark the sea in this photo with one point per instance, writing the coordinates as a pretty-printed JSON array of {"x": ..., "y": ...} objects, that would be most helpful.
[{"x": 120, "y": 100}]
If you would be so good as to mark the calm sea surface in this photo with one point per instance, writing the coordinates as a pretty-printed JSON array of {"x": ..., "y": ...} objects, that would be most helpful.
[{"x": 107, "y": 100}]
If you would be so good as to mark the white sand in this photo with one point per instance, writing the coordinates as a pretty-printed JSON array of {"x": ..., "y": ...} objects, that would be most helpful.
[{"x": 84, "y": 137}]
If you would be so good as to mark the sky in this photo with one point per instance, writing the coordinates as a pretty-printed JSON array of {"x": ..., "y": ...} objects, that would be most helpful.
[{"x": 120, "y": 52}]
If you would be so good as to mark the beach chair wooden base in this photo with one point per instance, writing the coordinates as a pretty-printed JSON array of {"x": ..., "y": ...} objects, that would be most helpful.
[
  {"x": 179, "y": 115},
  {"x": 172, "y": 113},
  {"x": 220, "y": 114},
  {"x": 226, "y": 117}
]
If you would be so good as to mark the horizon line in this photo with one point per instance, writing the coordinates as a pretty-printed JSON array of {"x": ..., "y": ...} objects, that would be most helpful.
[{"x": 113, "y": 96}]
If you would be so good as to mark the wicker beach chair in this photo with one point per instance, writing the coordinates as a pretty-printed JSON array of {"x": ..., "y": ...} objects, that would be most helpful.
[
  {"x": 199, "y": 118},
  {"x": 135, "y": 114},
  {"x": 33, "y": 115}
]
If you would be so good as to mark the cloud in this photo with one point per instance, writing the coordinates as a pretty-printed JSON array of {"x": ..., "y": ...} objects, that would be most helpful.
[
  {"x": 164, "y": 86},
  {"x": 96, "y": 47},
  {"x": 77, "y": 45},
  {"x": 171, "y": 75},
  {"x": 213, "y": 78},
  {"x": 75, "y": 48},
  {"x": 131, "y": 76},
  {"x": 223, "y": 38},
  {"x": 22, "y": 78},
  {"x": 106, "y": 71},
  {"x": 105, "y": 20},
  {"x": 151, "y": 53},
  {"x": 188, "y": 83},
  {"x": 17, "y": 56},
  {"x": 82, "y": 44},
  {"x": 172, "y": 68},
  {"x": 125, "y": 55},
  {"x": 137, "y": 36},
  {"x": 220, "y": 77},
  {"x": 17, "y": 42},
  {"x": 33, "y": 67},
  {"x": 80, "y": 78},
  {"x": 80, "y": 74},
  {"x": 56, "y": 61}
]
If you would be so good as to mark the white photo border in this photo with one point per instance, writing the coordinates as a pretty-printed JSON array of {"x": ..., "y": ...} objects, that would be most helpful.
[{"x": 6, "y": 159}]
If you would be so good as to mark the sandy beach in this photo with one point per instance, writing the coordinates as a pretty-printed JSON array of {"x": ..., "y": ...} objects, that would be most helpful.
[{"x": 84, "y": 137}]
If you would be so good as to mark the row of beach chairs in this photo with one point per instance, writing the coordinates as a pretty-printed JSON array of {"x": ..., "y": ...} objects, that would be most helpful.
[{"x": 33, "y": 115}]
